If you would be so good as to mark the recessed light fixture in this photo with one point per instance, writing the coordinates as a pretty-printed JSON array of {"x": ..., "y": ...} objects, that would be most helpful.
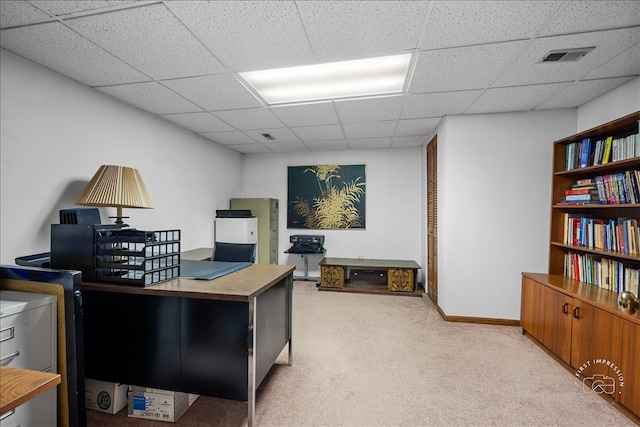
[{"x": 361, "y": 77}]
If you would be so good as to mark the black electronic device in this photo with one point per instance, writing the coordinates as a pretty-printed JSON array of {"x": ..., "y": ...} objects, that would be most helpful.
[
  {"x": 88, "y": 216},
  {"x": 72, "y": 247},
  {"x": 233, "y": 213},
  {"x": 306, "y": 244}
]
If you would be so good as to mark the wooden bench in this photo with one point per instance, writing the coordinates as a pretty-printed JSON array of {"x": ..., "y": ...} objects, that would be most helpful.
[{"x": 380, "y": 275}]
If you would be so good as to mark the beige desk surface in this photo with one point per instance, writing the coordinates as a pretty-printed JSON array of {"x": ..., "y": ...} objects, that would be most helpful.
[
  {"x": 241, "y": 285},
  {"x": 18, "y": 386}
]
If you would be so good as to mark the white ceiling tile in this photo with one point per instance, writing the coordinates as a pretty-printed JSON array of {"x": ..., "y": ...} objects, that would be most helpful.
[
  {"x": 520, "y": 98},
  {"x": 61, "y": 49},
  {"x": 218, "y": 92},
  {"x": 408, "y": 141},
  {"x": 250, "y": 148},
  {"x": 462, "y": 68},
  {"x": 339, "y": 29},
  {"x": 66, "y": 7},
  {"x": 582, "y": 92},
  {"x": 199, "y": 122},
  {"x": 592, "y": 15},
  {"x": 151, "y": 96},
  {"x": 19, "y": 12},
  {"x": 461, "y": 23},
  {"x": 367, "y": 143},
  {"x": 438, "y": 104},
  {"x": 330, "y": 145},
  {"x": 414, "y": 127},
  {"x": 318, "y": 133},
  {"x": 626, "y": 63},
  {"x": 370, "y": 129},
  {"x": 229, "y": 138},
  {"x": 251, "y": 118},
  {"x": 281, "y": 135},
  {"x": 285, "y": 147},
  {"x": 369, "y": 110},
  {"x": 321, "y": 113},
  {"x": 249, "y": 35},
  {"x": 151, "y": 39},
  {"x": 528, "y": 69}
]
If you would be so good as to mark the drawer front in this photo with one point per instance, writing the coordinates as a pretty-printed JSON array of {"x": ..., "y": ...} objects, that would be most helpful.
[
  {"x": 26, "y": 339},
  {"x": 40, "y": 411}
]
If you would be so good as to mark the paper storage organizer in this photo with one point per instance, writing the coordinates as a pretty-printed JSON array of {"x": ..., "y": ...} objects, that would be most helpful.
[{"x": 137, "y": 257}]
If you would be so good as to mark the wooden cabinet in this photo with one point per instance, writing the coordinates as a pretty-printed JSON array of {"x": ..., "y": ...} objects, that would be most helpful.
[
  {"x": 266, "y": 210},
  {"x": 583, "y": 327},
  {"x": 572, "y": 309}
]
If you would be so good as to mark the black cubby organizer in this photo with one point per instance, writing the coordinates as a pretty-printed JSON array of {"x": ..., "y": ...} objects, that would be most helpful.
[{"x": 137, "y": 257}]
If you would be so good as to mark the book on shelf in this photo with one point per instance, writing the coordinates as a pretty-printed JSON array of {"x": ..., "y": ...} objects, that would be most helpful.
[
  {"x": 582, "y": 191},
  {"x": 585, "y": 152},
  {"x": 582, "y": 197},
  {"x": 593, "y": 152},
  {"x": 603, "y": 272},
  {"x": 607, "y": 150}
]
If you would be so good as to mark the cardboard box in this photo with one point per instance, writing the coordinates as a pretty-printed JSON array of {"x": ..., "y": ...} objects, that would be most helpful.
[
  {"x": 157, "y": 404},
  {"x": 104, "y": 396}
]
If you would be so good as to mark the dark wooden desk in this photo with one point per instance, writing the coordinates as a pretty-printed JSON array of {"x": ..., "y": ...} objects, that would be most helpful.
[
  {"x": 18, "y": 386},
  {"x": 400, "y": 274},
  {"x": 211, "y": 337}
]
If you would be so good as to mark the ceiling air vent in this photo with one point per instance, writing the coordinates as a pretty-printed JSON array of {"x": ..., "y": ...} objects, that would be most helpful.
[
  {"x": 268, "y": 136},
  {"x": 566, "y": 55}
]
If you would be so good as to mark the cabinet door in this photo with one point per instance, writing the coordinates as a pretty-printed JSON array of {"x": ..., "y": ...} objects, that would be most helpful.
[
  {"x": 625, "y": 350},
  {"x": 529, "y": 308},
  {"x": 590, "y": 338},
  {"x": 556, "y": 322}
]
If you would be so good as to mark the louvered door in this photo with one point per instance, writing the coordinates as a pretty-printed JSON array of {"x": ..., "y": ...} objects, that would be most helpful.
[{"x": 432, "y": 219}]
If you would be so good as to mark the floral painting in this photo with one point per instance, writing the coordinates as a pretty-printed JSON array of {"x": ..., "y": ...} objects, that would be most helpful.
[{"x": 326, "y": 197}]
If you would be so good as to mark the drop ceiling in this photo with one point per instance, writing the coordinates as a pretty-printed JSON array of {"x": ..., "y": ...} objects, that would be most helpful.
[{"x": 180, "y": 60}]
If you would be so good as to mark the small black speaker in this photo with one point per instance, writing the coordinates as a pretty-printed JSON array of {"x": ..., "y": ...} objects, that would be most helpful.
[{"x": 87, "y": 216}]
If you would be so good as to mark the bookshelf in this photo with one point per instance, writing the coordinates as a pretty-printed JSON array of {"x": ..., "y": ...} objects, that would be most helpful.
[{"x": 594, "y": 253}]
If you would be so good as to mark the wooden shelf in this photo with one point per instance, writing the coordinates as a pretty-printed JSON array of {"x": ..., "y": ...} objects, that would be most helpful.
[
  {"x": 578, "y": 323},
  {"x": 18, "y": 386}
]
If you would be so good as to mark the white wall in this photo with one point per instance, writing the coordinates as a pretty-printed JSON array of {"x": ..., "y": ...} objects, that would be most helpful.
[
  {"x": 494, "y": 191},
  {"x": 394, "y": 212},
  {"x": 623, "y": 100},
  {"x": 55, "y": 133}
]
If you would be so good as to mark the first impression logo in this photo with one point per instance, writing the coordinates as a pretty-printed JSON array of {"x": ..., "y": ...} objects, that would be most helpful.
[{"x": 598, "y": 382}]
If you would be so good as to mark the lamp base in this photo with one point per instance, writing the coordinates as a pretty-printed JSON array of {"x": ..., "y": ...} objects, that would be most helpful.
[{"x": 119, "y": 220}]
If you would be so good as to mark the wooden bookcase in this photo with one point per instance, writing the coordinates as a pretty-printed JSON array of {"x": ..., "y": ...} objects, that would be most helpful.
[{"x": 580, "y": 324}]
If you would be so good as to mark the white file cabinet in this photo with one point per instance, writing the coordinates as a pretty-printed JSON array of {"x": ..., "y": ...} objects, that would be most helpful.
[{"x": 28, "y": 340}]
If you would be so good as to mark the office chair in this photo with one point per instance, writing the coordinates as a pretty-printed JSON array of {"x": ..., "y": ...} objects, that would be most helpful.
[{"x": 234, "y": 252}]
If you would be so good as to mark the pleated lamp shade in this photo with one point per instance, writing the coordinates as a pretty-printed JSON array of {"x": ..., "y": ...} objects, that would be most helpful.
[{"x": 116, "y": 186}]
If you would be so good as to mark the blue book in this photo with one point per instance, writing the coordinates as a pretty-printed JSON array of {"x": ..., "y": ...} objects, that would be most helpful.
[{"x": 585, "y": 152}]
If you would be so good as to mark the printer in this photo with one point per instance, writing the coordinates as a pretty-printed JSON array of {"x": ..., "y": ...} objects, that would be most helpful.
[{"x": 306, "y": 244}]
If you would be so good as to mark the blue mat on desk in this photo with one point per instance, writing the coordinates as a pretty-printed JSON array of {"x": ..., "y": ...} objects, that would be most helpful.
[{"x": 208, "y": 270}]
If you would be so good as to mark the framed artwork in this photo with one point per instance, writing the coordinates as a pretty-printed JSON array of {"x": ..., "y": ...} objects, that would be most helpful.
[{"x": 326, "y": 197}]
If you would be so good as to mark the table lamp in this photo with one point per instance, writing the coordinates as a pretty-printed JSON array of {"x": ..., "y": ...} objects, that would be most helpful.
[{"x": 116, "y": 186}]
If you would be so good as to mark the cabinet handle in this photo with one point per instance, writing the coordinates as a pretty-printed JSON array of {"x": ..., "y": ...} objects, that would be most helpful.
[
  {"x": 14, "y": 354},
  {"x": 7, "y": 415},
  {"x": 576, "y": 312},
  {"x": 11, "y": 330},
  {"x": 565, "y": 308}
]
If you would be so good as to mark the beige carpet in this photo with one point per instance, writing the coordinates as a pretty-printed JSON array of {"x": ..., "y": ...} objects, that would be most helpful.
[{"x": 376, "y": 360}]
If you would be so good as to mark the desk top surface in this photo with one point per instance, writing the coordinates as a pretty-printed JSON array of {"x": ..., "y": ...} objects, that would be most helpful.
[
  {"x": 369, "y": 263},
  {"x": 18, "y": 386},
  {"x": 240, "y": 285}
]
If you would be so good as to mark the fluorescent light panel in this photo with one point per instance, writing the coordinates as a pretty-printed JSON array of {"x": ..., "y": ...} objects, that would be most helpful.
[{"x": 361, "y": 77}]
